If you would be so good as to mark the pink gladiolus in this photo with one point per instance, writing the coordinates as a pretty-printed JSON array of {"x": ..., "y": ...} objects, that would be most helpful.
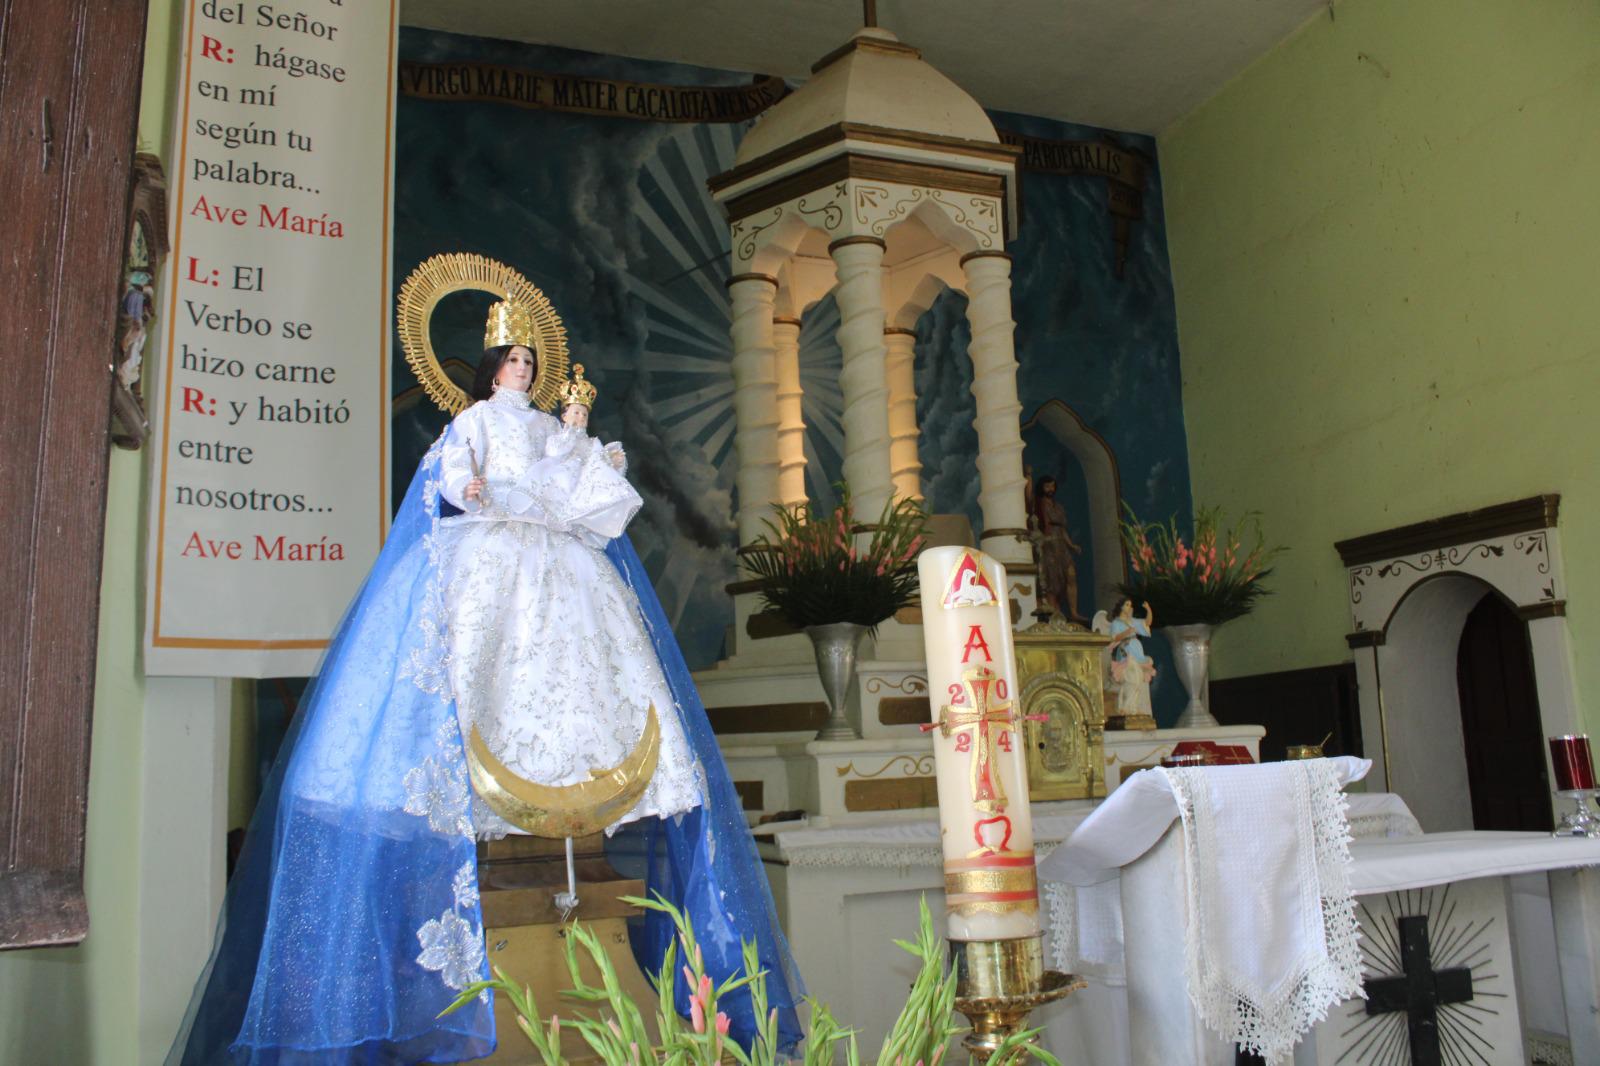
[{"x": 697, "y": 1014}]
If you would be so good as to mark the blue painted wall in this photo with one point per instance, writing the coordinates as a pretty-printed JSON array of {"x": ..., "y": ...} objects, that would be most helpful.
[{"x": 611, "y": 219}]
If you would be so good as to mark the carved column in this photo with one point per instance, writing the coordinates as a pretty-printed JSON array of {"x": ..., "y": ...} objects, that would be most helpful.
[
  {"x": 858, "y": 262},
  {"x": 755, "y": 400},
  {"x": 994, "y": 386},
  {"x": 791, "y": 418},
  {"x": 905, "y": 465}
]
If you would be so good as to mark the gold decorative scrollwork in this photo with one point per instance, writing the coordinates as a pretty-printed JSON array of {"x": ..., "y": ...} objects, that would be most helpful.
[
  {"x": 911, "y": 685},
  {"x": 909, "y": 766},
  {"x": 868, "y": 197},
  {"x": 747, "y": 245},
  {"x": 832, "y": 214}
]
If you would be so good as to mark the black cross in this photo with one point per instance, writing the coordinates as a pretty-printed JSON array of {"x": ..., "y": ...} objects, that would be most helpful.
[{"x": 1420, "y": 991}]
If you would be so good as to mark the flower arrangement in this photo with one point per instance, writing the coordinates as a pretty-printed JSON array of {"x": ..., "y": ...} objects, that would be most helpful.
[
  {"x": 618, "y": 1035},
  {"x": 1211, "y": 580},
  {"x": 813, "y": 573}
]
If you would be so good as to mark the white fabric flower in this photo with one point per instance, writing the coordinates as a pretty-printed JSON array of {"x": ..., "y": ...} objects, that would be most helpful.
[
  {"x": 465, "y": 885},
  {"x": 452, "y": 947},
  {"x": 439, "y": 793}
]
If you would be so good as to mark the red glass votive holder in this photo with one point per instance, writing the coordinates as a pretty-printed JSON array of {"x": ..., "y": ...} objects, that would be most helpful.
[{"x": 1573, "y": 764}]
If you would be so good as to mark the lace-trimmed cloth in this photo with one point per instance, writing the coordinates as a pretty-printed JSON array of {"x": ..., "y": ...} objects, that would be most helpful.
[{"x": 1272, "y": 934}]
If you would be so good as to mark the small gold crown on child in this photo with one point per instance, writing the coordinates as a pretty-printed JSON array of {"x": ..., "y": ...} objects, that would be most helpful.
[{"x": 578, "y": 391}]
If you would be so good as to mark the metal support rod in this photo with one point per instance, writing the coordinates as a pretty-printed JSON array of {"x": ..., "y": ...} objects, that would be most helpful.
[{"x": 567, "y": 902}]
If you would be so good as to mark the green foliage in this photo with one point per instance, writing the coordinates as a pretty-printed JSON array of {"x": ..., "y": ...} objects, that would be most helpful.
[
  {"x": 813, "y": 573},
  {"x": 1214, "y": 580},
  {"x": 618, "y": 1036}
]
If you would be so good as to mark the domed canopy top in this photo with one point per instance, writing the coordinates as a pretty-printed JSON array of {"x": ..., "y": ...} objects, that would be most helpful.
[{"x": 874, "y": 80}]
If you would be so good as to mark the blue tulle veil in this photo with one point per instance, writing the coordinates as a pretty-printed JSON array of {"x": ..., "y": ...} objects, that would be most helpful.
[{"x": 353, "y": 915}]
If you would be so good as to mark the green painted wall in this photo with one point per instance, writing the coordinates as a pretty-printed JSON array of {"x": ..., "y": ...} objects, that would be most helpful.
[
  {"x": 81, "y": 1004},
  {"x": 1386, "y": 247}
]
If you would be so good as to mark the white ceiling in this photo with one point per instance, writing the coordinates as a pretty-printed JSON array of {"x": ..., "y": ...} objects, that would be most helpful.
[{"x": 1134, "y": 65}]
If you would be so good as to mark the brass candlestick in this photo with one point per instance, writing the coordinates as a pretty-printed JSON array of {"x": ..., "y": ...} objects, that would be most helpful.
[{"x": 998, "y": 983}]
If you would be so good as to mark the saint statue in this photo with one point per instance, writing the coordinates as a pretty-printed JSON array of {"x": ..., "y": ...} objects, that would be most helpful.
[
  {"x": 507, "y": 622},
  {"x": 1058, "y": 569},
  {"x": 138, "y": 308},
  {"x": 1129, "y": 668}
]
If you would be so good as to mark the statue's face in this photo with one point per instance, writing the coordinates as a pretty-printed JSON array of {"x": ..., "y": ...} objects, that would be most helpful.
[
  {"x": 1126, "y": 613},
  {"x": 516, "y": 372},
  {"x": 1048, "y": 488},
  {"x": 575, "y": 415}
]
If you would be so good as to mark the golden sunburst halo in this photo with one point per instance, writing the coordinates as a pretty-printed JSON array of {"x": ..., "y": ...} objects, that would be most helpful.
[{"x": 438, "y": 277}]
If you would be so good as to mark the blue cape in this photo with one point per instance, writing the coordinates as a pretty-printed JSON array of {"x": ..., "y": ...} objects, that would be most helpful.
[{"x": 353, "y": 915}]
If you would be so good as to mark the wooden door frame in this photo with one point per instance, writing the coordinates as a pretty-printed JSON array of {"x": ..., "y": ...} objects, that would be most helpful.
[{"x": 70, "y": 74}]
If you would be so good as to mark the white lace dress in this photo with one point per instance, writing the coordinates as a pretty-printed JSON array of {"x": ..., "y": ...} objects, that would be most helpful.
[{"x": 548, "y": 652}]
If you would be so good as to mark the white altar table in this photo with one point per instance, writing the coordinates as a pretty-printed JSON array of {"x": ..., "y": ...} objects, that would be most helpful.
[
  {"x": 845, "y": 890},
  {"x": 1518, "y": 912}
]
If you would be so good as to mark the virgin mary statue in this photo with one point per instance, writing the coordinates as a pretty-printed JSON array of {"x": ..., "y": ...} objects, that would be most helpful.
[{"x": 507, "y": 609}]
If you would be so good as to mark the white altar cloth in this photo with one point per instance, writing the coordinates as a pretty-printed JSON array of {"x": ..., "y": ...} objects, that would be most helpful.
[
  {"x": 1130, "y": 822},
  {"x": 862, "y": 873},
  {"x": 1379, "y": 866},
  {"x": 1387, "y": 855}
]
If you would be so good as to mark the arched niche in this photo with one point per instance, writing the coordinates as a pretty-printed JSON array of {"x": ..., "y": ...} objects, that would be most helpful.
[
  {"x": 1104, "y": 490},
  {"x": 1427, "y": 749},
  {"x": 1410, "y": 591}
]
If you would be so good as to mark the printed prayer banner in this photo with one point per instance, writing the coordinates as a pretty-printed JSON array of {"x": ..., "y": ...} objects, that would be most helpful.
[{"x": 269, "y": 499}]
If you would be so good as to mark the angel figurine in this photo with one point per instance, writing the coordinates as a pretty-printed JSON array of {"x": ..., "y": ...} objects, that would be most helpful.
[
  {"x": 507, "y": 623},
  {"x": 1129, "y": 668}
]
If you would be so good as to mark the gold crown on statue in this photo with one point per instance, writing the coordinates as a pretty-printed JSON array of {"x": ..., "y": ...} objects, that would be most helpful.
[
  {"x": 509, "y": 323},
  {"x": 578, "y": 390}
]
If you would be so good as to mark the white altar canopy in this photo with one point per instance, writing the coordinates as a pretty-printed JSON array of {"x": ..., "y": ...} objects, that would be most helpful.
[{"x": 1125, "y": 862}]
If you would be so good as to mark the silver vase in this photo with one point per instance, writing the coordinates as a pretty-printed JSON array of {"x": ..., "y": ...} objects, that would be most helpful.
[
  {"x": 836, "y": 646},
  {"x": 1191, "y": 655}
]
